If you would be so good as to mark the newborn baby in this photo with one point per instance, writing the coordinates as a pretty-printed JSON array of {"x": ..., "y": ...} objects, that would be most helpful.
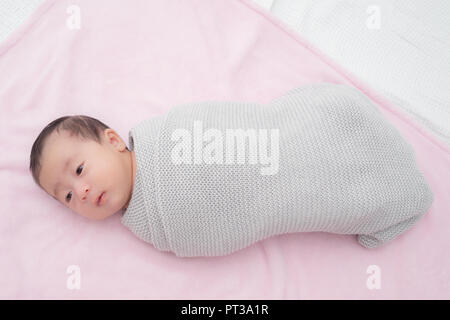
[{"x": 211, "y": 178}]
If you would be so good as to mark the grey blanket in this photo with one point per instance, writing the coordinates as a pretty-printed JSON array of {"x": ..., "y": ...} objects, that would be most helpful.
[{"x": 215, "y": 177}]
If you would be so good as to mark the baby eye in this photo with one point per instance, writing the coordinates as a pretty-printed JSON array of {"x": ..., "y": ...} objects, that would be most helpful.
[
  {"x": 78, "y": 169},
  {"x": 69, "y": 195}
]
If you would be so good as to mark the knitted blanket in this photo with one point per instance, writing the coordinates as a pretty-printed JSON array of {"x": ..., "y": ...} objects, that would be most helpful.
[{"x": 215, "y": 177}]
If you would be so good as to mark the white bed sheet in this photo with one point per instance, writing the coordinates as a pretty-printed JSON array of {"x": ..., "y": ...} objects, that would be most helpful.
[
  {"x": 13, "y": 13},
  {"x": 401, "y": 48}
]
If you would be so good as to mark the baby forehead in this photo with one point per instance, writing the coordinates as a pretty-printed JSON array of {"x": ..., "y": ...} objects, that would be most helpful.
[
  {"x": 67, "y": 138},
  {"x": 58, "y": 146},
  {"x": 66, "y": 134}
]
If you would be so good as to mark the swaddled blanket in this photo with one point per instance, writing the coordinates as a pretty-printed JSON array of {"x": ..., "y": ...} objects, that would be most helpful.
[{"x": 215, "y": 177}]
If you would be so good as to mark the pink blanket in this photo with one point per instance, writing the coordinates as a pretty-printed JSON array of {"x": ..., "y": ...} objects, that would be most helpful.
[{"x": 129, "y": 62}]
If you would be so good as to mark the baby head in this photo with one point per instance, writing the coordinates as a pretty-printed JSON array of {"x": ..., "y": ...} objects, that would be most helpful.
[{"x": 79, "y": 160}]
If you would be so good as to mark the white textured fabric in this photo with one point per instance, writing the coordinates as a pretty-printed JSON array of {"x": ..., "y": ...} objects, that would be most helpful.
[
  {"x": 13, "y": 13},
  {"x": 342, "y": 168},
  {"x": 400, "y": 48}
]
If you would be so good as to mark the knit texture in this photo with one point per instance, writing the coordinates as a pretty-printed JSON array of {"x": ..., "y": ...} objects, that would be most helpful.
[{"x": 342, "y": 168}]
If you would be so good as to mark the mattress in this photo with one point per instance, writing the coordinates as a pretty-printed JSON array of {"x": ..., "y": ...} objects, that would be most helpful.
[{"x": 122, "y": 64}]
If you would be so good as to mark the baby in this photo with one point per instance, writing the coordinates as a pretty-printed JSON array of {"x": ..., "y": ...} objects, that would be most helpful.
[
  {"x": 211, "y": 178},
  {"x": 85, "y": 165}
]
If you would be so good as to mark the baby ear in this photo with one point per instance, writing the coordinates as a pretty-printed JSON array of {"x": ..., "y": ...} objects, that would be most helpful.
[{"x": 112, "y": 138}]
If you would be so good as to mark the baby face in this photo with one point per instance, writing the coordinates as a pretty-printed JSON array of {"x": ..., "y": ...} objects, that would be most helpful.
[{"x": 77, "y": 172}]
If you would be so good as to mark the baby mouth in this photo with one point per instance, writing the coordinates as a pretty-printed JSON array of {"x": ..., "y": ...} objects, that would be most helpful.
[{"x": 101, "y": 198}]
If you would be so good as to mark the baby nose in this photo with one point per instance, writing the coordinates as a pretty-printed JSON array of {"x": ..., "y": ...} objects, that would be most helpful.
[{"x": 83, "y": 192}]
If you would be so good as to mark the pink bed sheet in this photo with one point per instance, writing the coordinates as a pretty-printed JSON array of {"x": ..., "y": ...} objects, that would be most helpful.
[{"x": 129, "y": 62}]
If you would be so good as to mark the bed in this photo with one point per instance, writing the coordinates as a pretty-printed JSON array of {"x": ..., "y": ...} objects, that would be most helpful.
[{"x": 123, "y": 64}]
